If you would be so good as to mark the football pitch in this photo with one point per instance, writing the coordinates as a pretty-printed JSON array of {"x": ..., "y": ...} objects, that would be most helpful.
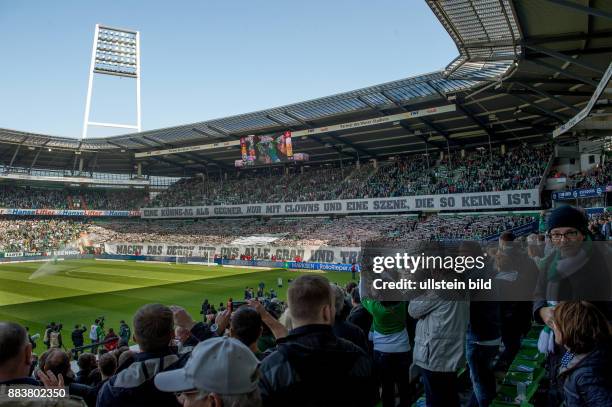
[{"x": 78, "y": 291}]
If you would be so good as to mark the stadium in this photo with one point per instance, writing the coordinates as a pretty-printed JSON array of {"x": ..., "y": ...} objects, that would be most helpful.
[{"x": 236, "y": 224}]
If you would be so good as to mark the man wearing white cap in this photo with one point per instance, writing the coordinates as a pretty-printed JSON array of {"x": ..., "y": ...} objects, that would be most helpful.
[{"x": 222, "y": 372}]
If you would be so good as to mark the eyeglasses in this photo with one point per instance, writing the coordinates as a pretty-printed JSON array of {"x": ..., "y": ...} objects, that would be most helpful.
[
  {"x": 186, "y": 393},
  {"x": 569, "y": 235}
]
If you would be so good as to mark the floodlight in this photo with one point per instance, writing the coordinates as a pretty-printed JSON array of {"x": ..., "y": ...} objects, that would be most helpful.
[{"x": 115, "y": 51}]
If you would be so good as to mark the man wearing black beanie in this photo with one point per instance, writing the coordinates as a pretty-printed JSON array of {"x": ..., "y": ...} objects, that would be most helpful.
[{"x": 576, "y": 269}]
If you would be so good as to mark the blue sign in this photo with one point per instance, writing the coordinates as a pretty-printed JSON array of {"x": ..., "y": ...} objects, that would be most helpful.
[{"x": 579, "y": 193}]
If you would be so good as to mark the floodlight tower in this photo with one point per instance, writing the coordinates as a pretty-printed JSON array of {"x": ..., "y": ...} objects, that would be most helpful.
[{"x": 115, "y": 51}]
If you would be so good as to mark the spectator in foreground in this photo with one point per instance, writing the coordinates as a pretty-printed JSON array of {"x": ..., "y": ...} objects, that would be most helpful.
[
  {"x": 521, "y": 273},
  {"x": 15, "y": 355},
  {"x": 586, "y": 336},
  {"x": 108, "y": 366},
  {"x": 185, "y": 341},
  {"x": 439, "y": 346},
  {"x": 58, "y": 362},
  {"x": 311, "y": 366},
  {"x": 391, "y": 343},
  {"x": 15, "y": 361},
  {"x": 87, "y": 363},
  {"x": 246, "y": 326},
  {"x": 222, "y": 372},
  {"x": 343, "y": 328},
  {"x": 484, "y": 335},
  {"x": 575, "y": 269},
  {"x": 153, "y": 330},
  {"x": 359, "y": 315}
]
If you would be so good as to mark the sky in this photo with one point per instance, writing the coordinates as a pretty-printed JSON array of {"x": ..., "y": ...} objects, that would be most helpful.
[{"x": 205, "y": 59}]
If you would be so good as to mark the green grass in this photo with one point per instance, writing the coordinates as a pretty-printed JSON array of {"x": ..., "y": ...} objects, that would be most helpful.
[{"x": 78, "y": 291}]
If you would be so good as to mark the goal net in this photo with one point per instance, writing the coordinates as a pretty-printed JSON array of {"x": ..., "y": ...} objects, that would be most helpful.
[{"x": 207, "y": 259}]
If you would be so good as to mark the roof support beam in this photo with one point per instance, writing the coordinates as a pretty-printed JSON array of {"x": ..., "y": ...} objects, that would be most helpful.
[
  {"x": 34, "y": 160},
  {"x": 587, "y": 51},
  {"x": 284, "y": 125},
  {"x": 422, "y": 137},
  {"x": 203, "y": 133},
  {"x": 577, "y": 36},
  {"x": 190, "y": 156},
  {"x": 427, "y": 123},
  {"x": 549, "y": 96},
  {"x": 563, "y": 72},
  {"x": 76, "y": 158},
  {"x": 583, "y": 9},
  {"x": 558, "y": 117},
  {"x": 332, "y": 135},
  {"x": 526, "y": 91},
  {"x": 475, "y": 119},
  {"x": 93, "y": 166},
  {"x": 218, "y": 130},
  {"x": 15, "y": 155},
  {"x": 566, "y": 58}
]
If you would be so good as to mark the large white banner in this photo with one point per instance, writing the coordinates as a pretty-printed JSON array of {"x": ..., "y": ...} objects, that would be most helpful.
[
  {"x": 321, "y": 254},
  {"x": 452, "y": 202}
]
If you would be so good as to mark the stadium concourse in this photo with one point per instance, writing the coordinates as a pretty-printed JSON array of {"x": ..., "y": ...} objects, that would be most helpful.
[{"x": 251, "y": 231}]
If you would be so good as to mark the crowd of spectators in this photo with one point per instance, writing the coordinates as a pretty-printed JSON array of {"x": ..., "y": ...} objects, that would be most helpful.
[
  {"x": 521, "y": 167},
  {"x": 41, "y": 235},
  {"x": 600, "y": 225},
  {"x": 601, "y": 175},
  {"x": 44, "y": 234},
  {"x": 465, "y": 227},
  {"x": 334, "y": 346},
  {"x": 26, "y": 197}
]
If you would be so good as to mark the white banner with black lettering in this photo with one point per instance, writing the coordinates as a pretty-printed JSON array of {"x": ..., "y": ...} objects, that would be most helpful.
[
  {"x": 321, "y": 254},
  {"x": 452, "y": 202}
]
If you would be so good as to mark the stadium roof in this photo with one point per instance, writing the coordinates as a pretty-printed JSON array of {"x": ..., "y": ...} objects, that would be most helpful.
[{"x": 524, "y": 67}]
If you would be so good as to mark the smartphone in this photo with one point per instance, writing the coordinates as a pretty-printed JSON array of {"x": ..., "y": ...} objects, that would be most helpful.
[{"x": 236, "y": 304}]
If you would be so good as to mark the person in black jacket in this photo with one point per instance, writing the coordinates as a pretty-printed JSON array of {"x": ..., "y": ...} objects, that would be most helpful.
[
  {"x": 585, "y": 368},
  {"x": 77, "y": 337},
  {"x": 153, "y": 330},
  {"x": 359, "y": 315},
  {"x": 483, "y": 337},
  {"x": 87, "y": 363},
  {"x": 517, "y": 276},
  {"x": 311, "y": 366},
  {"x": 343, "y": 328}
]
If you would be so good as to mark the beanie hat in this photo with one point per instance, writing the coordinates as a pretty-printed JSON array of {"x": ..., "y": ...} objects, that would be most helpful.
[{"x": 567, "y": 216}]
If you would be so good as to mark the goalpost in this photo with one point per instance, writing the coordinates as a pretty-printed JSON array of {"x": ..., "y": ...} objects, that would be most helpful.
[{"x": 208, "y": 259}]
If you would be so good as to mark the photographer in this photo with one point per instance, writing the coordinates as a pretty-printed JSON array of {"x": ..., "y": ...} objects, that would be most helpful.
[
  {"x": 55, "y": 338},
  {"x": 50, "y": 328}
]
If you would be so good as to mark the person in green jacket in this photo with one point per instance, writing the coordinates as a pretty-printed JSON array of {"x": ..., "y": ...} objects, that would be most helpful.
[{"x": 392, "y": 357}]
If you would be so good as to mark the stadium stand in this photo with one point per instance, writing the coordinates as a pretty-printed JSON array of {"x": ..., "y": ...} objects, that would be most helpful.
[
  {"x": 524, "y": 69},
  {"x": 65, "y": 198},
  {"x": 477, "y": 171},
  {"x": 44, "y": 235}
]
